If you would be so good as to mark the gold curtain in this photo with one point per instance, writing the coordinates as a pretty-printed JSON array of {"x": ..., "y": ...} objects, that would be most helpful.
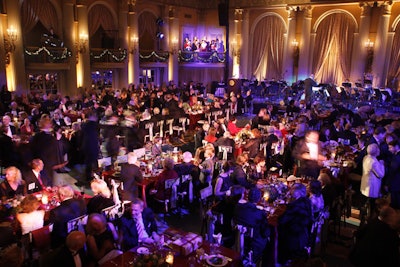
[
  {"x": 267, "y": 49},
  {"x": 394, "y": 65},
  {"x": 98, "y": 16},
  {"x": 35, "y": 10},
  {"x": 333, "y": 49}
]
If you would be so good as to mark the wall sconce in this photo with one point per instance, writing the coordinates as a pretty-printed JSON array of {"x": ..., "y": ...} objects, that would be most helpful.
[
  {"x": 134, "y": 45},
  {"x": 9, "y": 42},
  {"x": 174, "y": 45},
  {"x": 81, "y": 44},
  {"x": 369, "y": 44},
  {"x": 295, "y": 45}
]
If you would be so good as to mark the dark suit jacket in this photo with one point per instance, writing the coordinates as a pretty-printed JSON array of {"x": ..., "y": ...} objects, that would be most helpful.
[
  {"x": 394, "y": 173},
  {"x": 62, "y": 257},
  {"x": 44, "y": 147},
  {"x": 249, "y": 215},
  {"x": 90, "y": 141},
  {"x": 127, "y": 227},
  {"x": 130, "y": 176},
  {"x": 31, "y": 179},
  {"x": 68, "y": 210}
]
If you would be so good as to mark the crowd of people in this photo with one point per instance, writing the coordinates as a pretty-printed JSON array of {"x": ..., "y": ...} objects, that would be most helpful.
[{"x": 43, "y": 135}]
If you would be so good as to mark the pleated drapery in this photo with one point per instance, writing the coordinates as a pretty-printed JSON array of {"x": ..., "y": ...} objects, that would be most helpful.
[
  {"x": 267, "y": 49},
  {"x": 202, "y": 75},
  {"x": 98, "y": 16},
  {"x": 394, "y": 65},
  {"x": 333, "y": 49},
  {"x": 147, "y": 22},
  {"x": 35, "y": 10}
]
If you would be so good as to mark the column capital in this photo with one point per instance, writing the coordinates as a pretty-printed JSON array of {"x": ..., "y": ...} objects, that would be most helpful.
[
  {"x": 386, "y": 7},
  {"x": 307, "y": 11},
  {"x": 366, "y": 8},
  {"x": 292, "y": 11}
]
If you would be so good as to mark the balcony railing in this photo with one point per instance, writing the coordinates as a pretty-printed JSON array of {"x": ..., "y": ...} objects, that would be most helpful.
[
  {"x": 153, "y": 56},
  {"x": 47, "y": 54},
  {"x": 100, "y": 55},
  {"x": 201, "y": 57}
]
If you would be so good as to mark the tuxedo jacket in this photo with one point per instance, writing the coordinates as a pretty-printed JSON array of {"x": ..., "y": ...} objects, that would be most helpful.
[
  {"x": 127, "y": 228},
  {"x": 32, "y": 183},
  {"x": 68, "y": 210},
  {"x": 130, "y": 176},
  {"x": 62, "y": 257}
]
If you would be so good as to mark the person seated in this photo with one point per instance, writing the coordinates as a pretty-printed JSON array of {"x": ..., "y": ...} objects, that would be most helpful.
[
  {"x": 137, "y": 225},
  {"x": 70, "y": 254},
  {"x": 69, "y": 208},
  {"x": 253, "y": 144},
  {"x": 223, "y": 182},
  {"x": 131, "y": 175},
  {"x": 316, "y": 198},
  {"x": 33, "y": 177},
  {"x": 294, "y": 226},
  {"x": 101, "y": 197},
  {"x": 232, "y": 127},
  {"x": 187, "y": 167},
  {"x": 13, "y": 185},
  {"x": 210, "y": 137},
  {"x": 101, "y": 237},
  {"x": 377, "y": 243},
  {"x": 248, "y": 215},
  {"x": 226, "y": 208},
  {"x": 168, "y": 172},
  {"x": 239, "y": 175},
  {"x": 30, "y": 218},
  {"x": 225, "y": 140}
]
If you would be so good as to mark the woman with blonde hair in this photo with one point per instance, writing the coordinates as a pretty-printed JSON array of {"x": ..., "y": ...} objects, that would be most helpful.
[
  {"x": 101, "y": 197},
  {"x": 13, "y": 184},
  {"x": 30, "y": 218}
]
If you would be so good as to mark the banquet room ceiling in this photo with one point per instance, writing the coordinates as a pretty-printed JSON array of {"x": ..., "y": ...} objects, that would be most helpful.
[{"x": 213, "y": 4}]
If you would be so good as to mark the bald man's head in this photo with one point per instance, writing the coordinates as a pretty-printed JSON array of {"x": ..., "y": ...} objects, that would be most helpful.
[{"x": 76, "y": 240}]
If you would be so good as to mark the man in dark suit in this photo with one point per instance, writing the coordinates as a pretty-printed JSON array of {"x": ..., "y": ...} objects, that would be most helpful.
[
  {"x": 137, "y": 225},
  {"x": 393, "y": 181},
  {"x": 71, "y": 254},
  {"x": 90, "y": 143},
  {"x": 44, "y": 147},
  {"x": 247, "y": 214},
  {"x": 9, "y": 129},
  {"x": 225, "y": 140},
  {"x": 70, "y": 208},
  {"x": 34, "y": 176},
  {"x": 131, "y": 175}
]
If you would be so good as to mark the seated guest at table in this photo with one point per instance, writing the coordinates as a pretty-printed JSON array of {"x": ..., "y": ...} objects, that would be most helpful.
[
  {"x": 131, "y": 175},
  {"x": 294, "y": 226},
  {"x": 262, "y": 118},
  {"x": 101, "y": 197},
  {"x": 226, "y": 207},
  {"x": 26, "y": 129},
  {"x": 309, "y": 154},
  {"x": 187, "y": 167},
  {"x": 30, "y": 218},
  {"x": 69, "y": 209},
  {"x": 137, "y": 225},
  {"x": 377, "y": 243},
  {"x": 249, "y": 215},
  {"x": 239, "y": 175},
  {"x": 13, "y": 185},
  {"x": 167, "y": 173},
  {"x": 225, "y": 140},
  {"x": 156, "y": 148},
  {"x": 373, "y": 172},
  {"x": 292, "y": 110},
  {"x": 221, "y": 126},
  {"x": 201, "y": 134},
  {"x": 315, "y": 195},
  {"x": 253, "y": 144},
  {"x": 210, "y": 137},
  {"x": 207, "y": 165},
  {"x": 257, "y": 169},
  {"x": 70, "y": 254},
  {"x": 33, "y": 176},
  {"x": 348, "y": 135},
  {"x": 232, "y": 127},
  {"x": 223, "y": 182},
  {"x": 9, "y": 128},
  {"x": 100, "y": 238},
  {"x": 326, "y": 135}
]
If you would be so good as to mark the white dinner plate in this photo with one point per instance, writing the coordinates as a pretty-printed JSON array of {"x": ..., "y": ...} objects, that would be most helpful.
[
  {"x": 143, "y": 251},
  {"x": 216, "y": 260}
]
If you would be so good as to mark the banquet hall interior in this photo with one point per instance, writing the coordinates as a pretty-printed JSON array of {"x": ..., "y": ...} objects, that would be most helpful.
[{"x": 235, "y": 88}]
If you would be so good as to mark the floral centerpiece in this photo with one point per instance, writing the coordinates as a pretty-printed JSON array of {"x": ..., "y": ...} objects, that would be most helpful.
[{"x": 243, "y": 136}]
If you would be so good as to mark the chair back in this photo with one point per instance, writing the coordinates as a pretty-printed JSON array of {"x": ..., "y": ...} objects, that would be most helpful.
[
  {"x": 224, "y": 150},
  {"x": 242, "y": 231},
  {"x": 112, "y": 212},
  {"x": 183, "y": 121},
  {"x": 41, "y": 238},
  {"x": 149, "y": 126},
  {"x": 77, "y": 223}
]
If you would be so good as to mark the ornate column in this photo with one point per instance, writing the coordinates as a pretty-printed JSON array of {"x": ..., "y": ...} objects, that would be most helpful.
[
  {"x": 3, "y": 31},
  {"x": 244, "y": 55},
  {"x": 291, "y": 56},
  {"x": 378, "y": 65},
  {"x": 15, "y": 70},
  {"x": 305, "y": 58},
  {"x": 236, "y": 44},
  {"x": 133, "y": 59},
  {"x": 123, "y": 30},
  {"x": 359, "y": 50},
  {"x": 82, "y": 39},
  {"x": 174, "y": 42},
  {"x": 68, "y": 23}
]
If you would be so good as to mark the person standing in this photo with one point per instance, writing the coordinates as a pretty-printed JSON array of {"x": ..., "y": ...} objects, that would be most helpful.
[
  {"x": 309, "y": 83},
  {"x": 393, "y": 181},
  {"x": 90, "y": 143}
]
